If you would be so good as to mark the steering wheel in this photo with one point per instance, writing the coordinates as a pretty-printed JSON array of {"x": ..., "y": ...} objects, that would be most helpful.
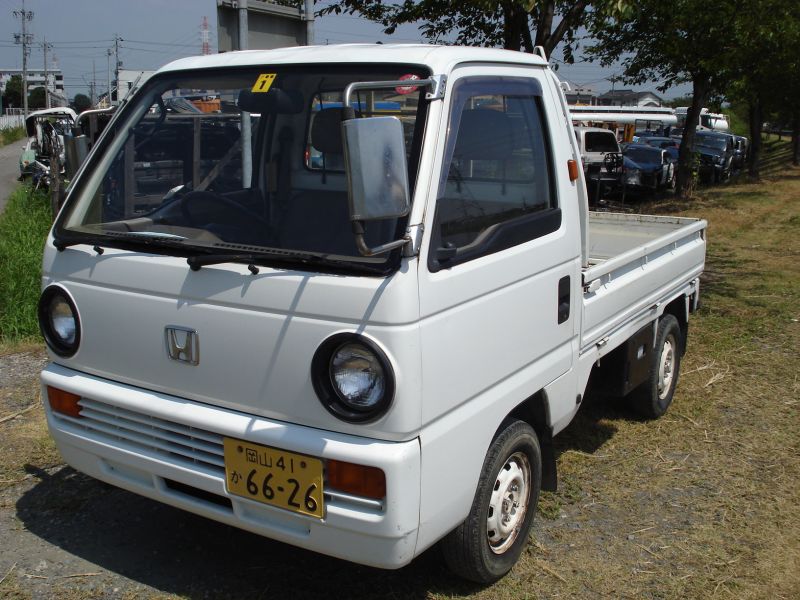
[
  {"x": 195, "y": 196},
  {"x": 612, "y": 161}
]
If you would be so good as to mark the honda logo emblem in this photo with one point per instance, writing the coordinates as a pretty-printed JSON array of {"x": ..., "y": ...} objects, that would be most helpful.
[{"x": 183, "y": 344}]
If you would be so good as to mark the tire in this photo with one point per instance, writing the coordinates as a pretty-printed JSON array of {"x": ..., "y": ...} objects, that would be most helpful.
[
  {"x": 489, "y": 542},
  {"x": 652, "y": 399}
]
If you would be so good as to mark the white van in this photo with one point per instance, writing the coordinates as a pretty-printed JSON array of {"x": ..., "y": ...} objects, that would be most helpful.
[{"x": 350, "y": 308}]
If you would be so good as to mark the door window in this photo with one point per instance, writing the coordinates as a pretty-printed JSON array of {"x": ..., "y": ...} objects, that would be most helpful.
[{"x": 495, "y": 190}]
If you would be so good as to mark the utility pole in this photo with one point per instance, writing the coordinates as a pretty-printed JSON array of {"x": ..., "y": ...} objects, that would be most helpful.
[
  {"x": 247, "y": 157},
  {"x": 108, "y": 76},
  {"x": 117, "y": 64},
  {"x": 25, "y": 39},
  {"x": 309, "y": 17},
  {"x": 92, "y": 98},
  {"x": 45, "y": 48}
]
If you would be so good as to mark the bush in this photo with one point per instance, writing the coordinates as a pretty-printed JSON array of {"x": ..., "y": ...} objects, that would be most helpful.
[
  {"x": 23, "y": 229},
  {"x": 9, "y": 135}
]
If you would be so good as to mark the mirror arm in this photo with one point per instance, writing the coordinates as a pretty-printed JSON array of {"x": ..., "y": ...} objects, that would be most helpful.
[{"x": 365, "y": 250}]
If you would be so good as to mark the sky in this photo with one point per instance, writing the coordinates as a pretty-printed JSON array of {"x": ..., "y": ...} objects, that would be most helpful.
[{"x": 155, "y": 32}]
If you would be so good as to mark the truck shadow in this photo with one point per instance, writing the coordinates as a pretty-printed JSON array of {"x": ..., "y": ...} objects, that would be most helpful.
[{"x": 176, "y": 552}]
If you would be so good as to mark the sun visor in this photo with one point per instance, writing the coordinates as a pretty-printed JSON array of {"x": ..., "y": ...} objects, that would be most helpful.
[{"x": 276, "y": 101}]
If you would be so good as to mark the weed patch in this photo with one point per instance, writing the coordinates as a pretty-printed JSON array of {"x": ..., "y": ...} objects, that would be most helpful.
[
  {"x": 10, "y": 135},
  {"x": 23, "y": 229}
]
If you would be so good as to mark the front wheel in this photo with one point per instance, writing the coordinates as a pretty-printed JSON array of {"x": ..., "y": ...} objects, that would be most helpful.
[
  {"x": 489, "y": 542},
  {"x": 653, "y": 397}
]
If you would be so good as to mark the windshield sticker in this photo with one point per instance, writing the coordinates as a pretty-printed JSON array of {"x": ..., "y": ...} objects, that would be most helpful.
[
  {"x": 264, "y": 82},
  {"x": 407, "y": 89}
]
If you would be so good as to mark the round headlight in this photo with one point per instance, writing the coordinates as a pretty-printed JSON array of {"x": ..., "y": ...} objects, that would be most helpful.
[
  {"x": 357, "y": 376},
  {"x": 58, "y": 321},
  {"x": 353, "y": 378}
]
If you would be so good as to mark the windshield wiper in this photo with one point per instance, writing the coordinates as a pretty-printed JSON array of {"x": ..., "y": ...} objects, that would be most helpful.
[
  {"x": 146, "y": 237},
  {"x": 204, "y": 260}
]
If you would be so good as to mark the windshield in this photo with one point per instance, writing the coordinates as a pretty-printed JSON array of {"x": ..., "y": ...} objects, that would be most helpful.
[
  {"x": 600, "y": 141},
  {"x": 644, "y": 155},
  {"x": 239, "y": 161},
  {"x": 713, "y": 142}
]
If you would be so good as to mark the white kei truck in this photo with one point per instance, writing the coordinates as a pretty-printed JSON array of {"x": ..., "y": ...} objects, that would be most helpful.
[{"x": 345, "y": 296}]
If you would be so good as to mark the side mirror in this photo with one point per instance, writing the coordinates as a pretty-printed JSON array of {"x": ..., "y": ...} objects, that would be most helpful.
[{"x": 377, "y": 175}]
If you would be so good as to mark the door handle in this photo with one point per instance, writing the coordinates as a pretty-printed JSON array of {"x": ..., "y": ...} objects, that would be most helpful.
[{"x": 563, "y": 298}]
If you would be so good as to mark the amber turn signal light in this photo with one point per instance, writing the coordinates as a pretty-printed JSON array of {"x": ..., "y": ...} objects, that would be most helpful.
[
  {"x": 64, "y": 402},
  {"x": 572, "y": 167},
  {"x": 358, "y": 480}
]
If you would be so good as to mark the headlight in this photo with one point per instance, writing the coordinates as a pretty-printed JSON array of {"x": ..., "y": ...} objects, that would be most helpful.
[
  {"x": 720, "y": 160},
  {"x": 357, "y": 376},
  {"x": 352, "y": 378},
  {"x": 58, "y": 321},
  {"x": 633, "y": 176}
]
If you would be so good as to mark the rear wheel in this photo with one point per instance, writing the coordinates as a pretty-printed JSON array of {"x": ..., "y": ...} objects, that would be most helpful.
[
  {"x": 489, "y": 542},
  {"x": 653, "y": 397}
]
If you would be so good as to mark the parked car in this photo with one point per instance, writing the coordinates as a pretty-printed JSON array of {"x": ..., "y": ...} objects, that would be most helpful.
[
  {"x": 716, "y": 155},
  {"x": 648, "y": 168},
  {"x": 665, "y": 143},
  {"x": 361, "y": 362},
  {"x": 601, "y": 158},
  {"x": 741, "y": 148}
]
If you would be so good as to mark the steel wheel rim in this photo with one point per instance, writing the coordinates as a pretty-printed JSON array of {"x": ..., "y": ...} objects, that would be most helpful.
[
  {"x": 508, "y": 503},
  {"x": 666, "y": 368}
]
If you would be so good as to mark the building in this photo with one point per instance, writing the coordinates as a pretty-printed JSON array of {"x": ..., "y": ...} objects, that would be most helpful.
[
  {"x": 629, "y": 98},
  {"x": 55, "y": 80},
  {"x": 127, "y": 79},
  {"x": 581, "y": 95}
]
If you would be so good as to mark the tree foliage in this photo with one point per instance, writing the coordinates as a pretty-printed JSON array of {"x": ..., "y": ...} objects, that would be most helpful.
[
  {"x": 13, "y": 92},
  {"x": 81, "y": 102},
  {"x": 673, "y": 42},
  {"x": 767, "y": 69},
  {"x": 37, "y": 99},
  {"x": 511, "y": 25}
]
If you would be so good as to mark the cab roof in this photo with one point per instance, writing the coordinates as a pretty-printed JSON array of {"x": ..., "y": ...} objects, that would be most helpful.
[{"x": 440, "y": 59}]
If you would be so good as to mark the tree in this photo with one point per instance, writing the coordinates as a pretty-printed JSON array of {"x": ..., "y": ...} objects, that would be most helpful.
[
  {"x": 13, "y": 93},
  {"x": 676, "y": 42},
  {"x": 81, "y": 102},
  {"x": 37, "y": 99},
  {"x": 512, "y": 25},
  {"x": 768, "y": 71}
]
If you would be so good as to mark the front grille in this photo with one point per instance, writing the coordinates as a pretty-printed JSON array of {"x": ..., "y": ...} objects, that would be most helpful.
[
  {"x": 649, "y": 179},
  {"x": 181, "y": 443}
]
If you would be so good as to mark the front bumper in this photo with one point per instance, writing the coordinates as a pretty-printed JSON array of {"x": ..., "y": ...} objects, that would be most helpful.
[{"x": 170, "y": 449}]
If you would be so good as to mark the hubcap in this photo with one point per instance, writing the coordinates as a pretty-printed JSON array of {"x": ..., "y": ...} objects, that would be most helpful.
[
  {"x": 666, "y": 368},
  {"x": 509, "y": 503}
]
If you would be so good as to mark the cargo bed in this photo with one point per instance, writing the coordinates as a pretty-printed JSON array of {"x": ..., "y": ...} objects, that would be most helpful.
[{"x": 636, "y": 263}]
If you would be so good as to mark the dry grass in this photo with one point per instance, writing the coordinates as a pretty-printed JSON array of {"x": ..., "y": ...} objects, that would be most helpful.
[{"x": 700, "y": 504}]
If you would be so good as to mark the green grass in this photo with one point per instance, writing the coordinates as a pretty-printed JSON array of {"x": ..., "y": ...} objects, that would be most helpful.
[
  {"x": 23, "y": 229},
  {"x": 11, "y": 135}
]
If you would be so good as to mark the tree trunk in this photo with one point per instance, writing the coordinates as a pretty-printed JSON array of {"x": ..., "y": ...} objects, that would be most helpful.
[
  {"x": 686, "y": 151},
  {"x": 796, "y": 139},
  {"x": 514, "y": 19},
  {"x": 756, "y": 117}
]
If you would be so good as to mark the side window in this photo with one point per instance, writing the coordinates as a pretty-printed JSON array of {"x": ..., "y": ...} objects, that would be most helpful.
[{"x": 495, "y": 190}]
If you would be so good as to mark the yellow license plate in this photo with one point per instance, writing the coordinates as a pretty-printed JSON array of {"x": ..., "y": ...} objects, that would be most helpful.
[{"x": 272, "y": 476}]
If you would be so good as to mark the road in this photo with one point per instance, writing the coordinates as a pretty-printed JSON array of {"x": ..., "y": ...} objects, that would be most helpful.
[{"x": 9, "y": 170}]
